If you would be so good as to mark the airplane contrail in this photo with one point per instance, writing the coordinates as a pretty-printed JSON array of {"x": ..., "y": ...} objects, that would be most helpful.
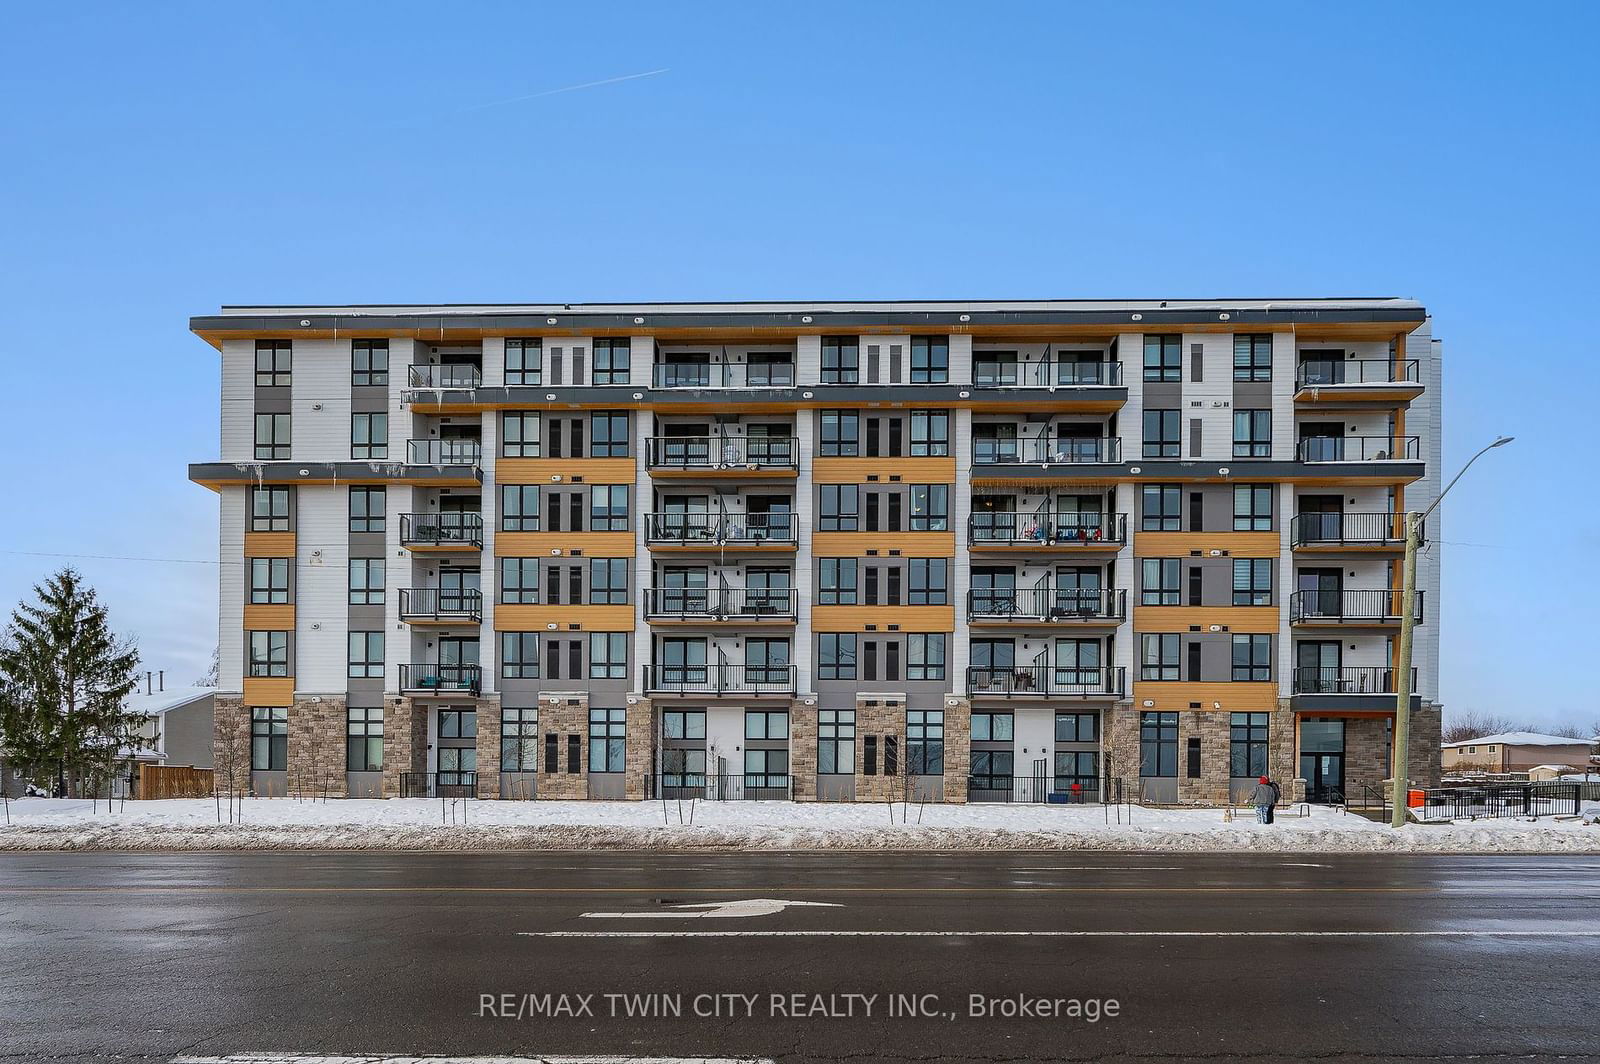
[{"x": 567, "y": 88}]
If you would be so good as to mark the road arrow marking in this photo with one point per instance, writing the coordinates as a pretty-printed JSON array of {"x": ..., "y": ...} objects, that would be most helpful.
[{"x": 716, "y": 909}]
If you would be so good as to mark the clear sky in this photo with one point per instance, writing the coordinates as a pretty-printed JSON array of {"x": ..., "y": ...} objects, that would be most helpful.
[{"x": 159, "y": 160}]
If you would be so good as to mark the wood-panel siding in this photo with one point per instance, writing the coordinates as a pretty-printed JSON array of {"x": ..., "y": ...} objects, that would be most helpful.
[
  {"x": 277, "y": 617},
  {"x": 535, "y": 618},
  {"x": 1179, "y": 544},
  {"x": 541, "y": 470},
  {"x": 541, "y": 544},
  {"x": 1234, "y": 697},
  {"x": 268, "y": 544},
  {"x": 1245, "y": 619},
  {"x": 859, "y": 470},
  {"x": 908, "y": 618},
  {"x": 268, "y": 691}
]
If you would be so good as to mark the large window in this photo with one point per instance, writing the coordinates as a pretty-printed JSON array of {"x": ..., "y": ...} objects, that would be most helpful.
[
  {"x": 925, "y": 656},
  {"x": 269, "y": 509},
  {"x": 836, "y": 656},
  {"x": 924, "y": 742},
  {"x": 930, "y": 507},
  {"x": 364, "y": 740},
  {"x": 524, "y": 361},
  {"x": 272, "y": 363},
  {"x": 840, "y": 509},
  {"x": 1158, "y": 656},
  {"x": 836, "y": 581},
  {"x": 369, "y": 363},
  {"x": 367, "y": 509},
  {"x": 366, "y": 581},
  {"x": 992, "y": 769},
  {"x": 519, "y": 431},
  {"x": 519, "y": 655},
  {"x": 269, "y": 653},
  {"x": 608, "y": 739},
  {"x": 836, "y": 742},
  {"x": 269, "y": 580},
  {"x": 1252, "y": 581},
  {"x": 611, "y": 358},
  {"x": 1162, "y": 583},
  {"x": 766, "y": 724},
  {"x": 841, "y": 433},
  {"x": 1077, "y": 727},
  {"x": 929, "y": 583},
  {"x": 519, "y": 740},
  {"x": 269, "y": 739},
  {"x": 1252, "y": 658},
  {"x": 366, "y": 654},
  {"x": 519, "y": 580},
  {"x": 930, "y": 433},
  {"x": 519, "y": 507},
  {"x": 1252, "y": 507},
  {"x": 1161, "y": 439},
  {"x": 608, "y": 655},
  {"x": 1158, "y": 744},
  {"x": 1162, "y": 509},
  {"x": 272, "y": 436},
  {"x": 683, "y": 724},
  {"x": 1247, "y": 745},
  {"x": 608, "y": 581},
  {"x": 930, "y": 360},
  {"x": 992, "y": 727},
  {"x": 1163, "y": 358},
  {"x": 608, "y": 434},
  {"x": 1252, "y": 434},
  {"x": 608, "y": 507},
  {"x": 369, "y": 436},
  {"x": 1252, "y": 357},
  {"x": 841, "y": 360}
]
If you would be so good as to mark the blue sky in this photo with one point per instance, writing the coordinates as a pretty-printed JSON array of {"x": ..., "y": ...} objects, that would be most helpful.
[{"x": 160, "y": 160}]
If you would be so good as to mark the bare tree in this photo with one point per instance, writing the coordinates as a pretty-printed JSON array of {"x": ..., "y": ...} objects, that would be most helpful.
[
  {"x": 1573, "y": 730},
  {"x": 1472, "y": 724}
]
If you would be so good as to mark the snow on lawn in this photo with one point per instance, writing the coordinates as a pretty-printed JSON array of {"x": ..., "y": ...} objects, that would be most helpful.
[{"x": 420, "y": 823}]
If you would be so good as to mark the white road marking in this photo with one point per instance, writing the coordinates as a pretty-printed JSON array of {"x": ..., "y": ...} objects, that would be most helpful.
[
  {"x": 1058, "y": 934},
  {"x": 379, "y": 1058},
  {"x": 715, "y": 909}
]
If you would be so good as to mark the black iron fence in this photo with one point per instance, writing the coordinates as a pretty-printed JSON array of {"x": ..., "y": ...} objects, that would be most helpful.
[
  {"x": 1347, "y": 680},
  {"x": 1491, "y": 801},
  {"x": 441, "y": 604},
  {"x": 446, "y": 784},
  {"x": 1350, "y": 606},
  {"x": 1039, "y": 790},
  {"x": 1342, "y": 529},
  {"x": 443, "y": 529},
  {"x": 432, "y": 677},
  {"x": 721, "y": 787}
]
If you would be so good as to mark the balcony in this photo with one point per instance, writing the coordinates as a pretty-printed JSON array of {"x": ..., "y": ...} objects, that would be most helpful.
[
  {"x": 433, "y": 605},
  {"x": 1054, "y": 605},
  {"x": 1055, "y": 372},
  {"x": 1374, "y": 607},
  {"x": 432, "y": 678},
  {"x": 668, "y": 375},
  {"x": 1058, "y": 680},
  {"x": 1340, "y": 380},
  {"x": 720, "y": 679},
  {"x": 1046, "y": 451},
  {"x": 1360, "y": 449},
  {"x": 455, "y": 452},
  {"x": 1346, "y": 680},
  {"x": 444, "y": 531},
  {"x": 994, "y": 530},
  {"x": 708, "y": 531},
  {"x": 732, "y": 455},
  {"x": 721, "y": 605},
  {"x": 454, "y": 376},
  {"x": 1342, "y": 531}
]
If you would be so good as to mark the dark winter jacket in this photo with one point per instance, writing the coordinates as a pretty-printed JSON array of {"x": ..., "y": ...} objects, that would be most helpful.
[{"x": 1266, "y": 794}]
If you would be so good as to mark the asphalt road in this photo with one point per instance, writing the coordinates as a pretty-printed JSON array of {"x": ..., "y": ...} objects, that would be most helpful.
[{"x": 1206, "y": 956}]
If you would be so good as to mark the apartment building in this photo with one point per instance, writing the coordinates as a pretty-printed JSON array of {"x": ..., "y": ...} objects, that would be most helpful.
[{"x": 1010, "y": 551}]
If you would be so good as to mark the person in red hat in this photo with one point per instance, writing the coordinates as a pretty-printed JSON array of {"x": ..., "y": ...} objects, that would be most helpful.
[{"x": 1266, "y": 797}]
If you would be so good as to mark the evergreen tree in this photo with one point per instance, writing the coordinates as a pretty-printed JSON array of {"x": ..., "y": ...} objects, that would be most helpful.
[{"x": 64, "y": 676}]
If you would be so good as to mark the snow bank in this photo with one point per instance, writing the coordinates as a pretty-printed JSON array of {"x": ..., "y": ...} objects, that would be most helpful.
[{"x": 423, "y": 824}]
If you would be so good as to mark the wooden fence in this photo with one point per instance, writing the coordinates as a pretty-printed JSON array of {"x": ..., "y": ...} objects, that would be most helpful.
[{"x": 171, "y": 781}]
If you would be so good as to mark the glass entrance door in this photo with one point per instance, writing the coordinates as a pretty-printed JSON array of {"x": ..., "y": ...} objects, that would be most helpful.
[{"x": 1317, "y": 667}]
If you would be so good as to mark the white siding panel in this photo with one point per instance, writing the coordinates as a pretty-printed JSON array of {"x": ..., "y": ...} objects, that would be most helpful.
[
  {"x": 238, "y": 400},
  {"x": 321, "y": 401},
  {"x": 231, "y": 589},
  {"x": 322, "y": 584}
]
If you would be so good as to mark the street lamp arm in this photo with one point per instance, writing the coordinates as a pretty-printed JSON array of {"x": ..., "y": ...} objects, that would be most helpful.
[{"x": 1502, "y": 441}]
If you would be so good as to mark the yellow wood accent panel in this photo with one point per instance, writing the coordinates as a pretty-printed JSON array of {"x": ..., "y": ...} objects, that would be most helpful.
[
  {"x": 269, "y": 544},
  {"x": 269, "y": 618},
  {"x": 540, "y": 470},
  {"x": 909, "y": 544},
  {"x": 909, "y": 618},
  {"x": 909, "y": 470},
  {"x": 1179, "y": 544},
  {"x": 515, "y": 618},
  {"x": 1255, "y": 619},
  {"x": 1235, "y": 697},
  {"x": 540, "y": 544},
  {"x": 268, "y": 691}
]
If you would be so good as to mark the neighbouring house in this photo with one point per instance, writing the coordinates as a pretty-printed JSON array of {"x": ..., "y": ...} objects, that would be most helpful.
[
  {"x": 179, "y": 731},
  {"x": 1514, "y": 752}
]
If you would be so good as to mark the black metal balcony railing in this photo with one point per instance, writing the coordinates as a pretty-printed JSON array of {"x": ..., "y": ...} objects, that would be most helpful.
[
  {"x": 1046, "y": 604},
  {"x": 731, "y": 603},
  {"x": 989, "y": 450},
  {"x": 1346, "y": 680},
  {"x": 444, "y": 529},
  {"x": 433, "y": 677},
  {"x": 441, "y": 604},
  {"x": 446, "y": 784},
  {"x": 1360, "y": 448},
  {"x": 1345, "y": 607},
  {"x": 1043, "y": 373},
  {"x": 1319, "y": 372},
  {"x": 444, "y": 452},
  {"x": 452, "y": 376},
  {"x": 1045, "y": 680},
  {"x": 724, "y": 375},
  {"x": 723, "y": 452},
  {"x": 1375, "y": 529},
  {"x": 716, "y": 529},
  {"x": 721, "y": 679},
  {"x": 1066, "y": 529}
]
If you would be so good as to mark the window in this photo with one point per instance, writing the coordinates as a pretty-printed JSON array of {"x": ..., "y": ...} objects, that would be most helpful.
[
  {"x": 929, "y": 583},
  {"x": 272, "y": 436},
  {"x": 519, "y": 740},
  {"x": 608, "y": 738},
  {"x": 1161, "y": 583},
  {"x": 836, "y": 742},
  {"x": 369, "y": 363},
  {"x": 1161, "y": 439},
  {"x": 608, "y": 434},
  {"x": 930, "y": 507},
  {"x": 836, "y": 656},
  {"x": 1077, "y": 727},
  {"x": 272, "y": 363},
  {"x": 608, "y": 655},
  {"x": 766, "y": 724},
  {"x": 841, "y": 433},
  {"x": 1163, "y": 358},
  {"x": 519, "y": 431},
  {"x": 364, "y": 740},
  {"x": 924, "y": 743},
  {"x": 608, "y": 507},
  {"x": 524, "y": 361},
  {"x": 991, "y": 769},
  {"x": 1158, "y": 657},
  {"x": 1162, "y": 507},
  {"x": 269, "y": 739},
  {"x": 269, "y": 653},
  {"x": 767, "y": 769},
  {"x": 519, "y": 655},
  {"x": 458, "y": 723},
  {"x": 269, "y": 580},
  {"x": 925, "y": 656},
  {"x": 1252, "y": 658},
  {"x": 683, "y": 724},
  {"x": 1252, "y": 357},
  {"x": 1247, "y": 745},
  {"x": 930, "y": 433},
  {"x": 841, "y": 508},
  {"x": 766, "y": 661},
  {"x": 366, "y": 654},
  {"x": 1252, "y": 581},
  {"x": 611, "y": 358},
  {"x": 930, "y": 360},
  {"x": 836, "y": 581},
  {"x": 992, "y": 728},
  {"x": 1158, "y": 744},
  {"x": 369, "y": 436},
  {"x": 1252, "y": 434},
  {"x": 366, "y": 509},
  {"x": 841, "y": 360},
  {"x": 269, "y": 509},
  {"x": 366, "y": 581},
  {"x": 1252, "y": 507},
  {"x": 519, "y": 580},
  {"x": 608, "y": 581},
  {"x": 519, "y": 507}
]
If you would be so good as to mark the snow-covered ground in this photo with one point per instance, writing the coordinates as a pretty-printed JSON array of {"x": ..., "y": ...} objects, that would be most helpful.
[{"x": 284, "y": 823}]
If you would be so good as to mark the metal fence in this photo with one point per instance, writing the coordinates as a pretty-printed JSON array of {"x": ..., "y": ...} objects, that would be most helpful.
[{"x": 1501, "y": 801}]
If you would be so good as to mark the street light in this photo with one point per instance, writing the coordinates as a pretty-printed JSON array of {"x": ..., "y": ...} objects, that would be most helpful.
[{"x": 1408, "y": 611}]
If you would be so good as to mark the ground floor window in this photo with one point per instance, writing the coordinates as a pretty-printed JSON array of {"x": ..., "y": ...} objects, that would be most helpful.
[
  {"x": 1077, "y": 771},
  {"x": 1158, "y": 744},
  {"x": 269, "y": 739},
  {"x": 608, "y": 731},
  {"x": 991, "y": 770},
  {"x": 458, "y": 766},
  {"x": 519, "y": 740},
  {"x": 836, "y": 742},
  {"x": 1247, "y": 745},
  {"x": 364, "y": 740},
  {"x": 924, "y": 743},
  {"x": 766, "y": 768},
  {"x": 683, "y": 768}
]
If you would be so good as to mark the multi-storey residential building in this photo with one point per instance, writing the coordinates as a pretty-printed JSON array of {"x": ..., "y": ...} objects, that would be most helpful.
[{"x": 827, "y": 551}]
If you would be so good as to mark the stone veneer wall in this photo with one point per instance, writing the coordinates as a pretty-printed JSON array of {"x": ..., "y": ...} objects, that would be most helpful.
[
  {"x": 1214, "y": 729},
  {"x": 957, "y": 750},
  {"x": 230, "y": 741},
  {"x": 879, "y": 721},
  {"x": 317, "y": 731},
  {"x": 488, "y": 709},
  {"x": 1366, "y": 754},
  {"x": 639, "y": 758},
  {"x": 565, "y": 719},
  {"x": 1423, "y": 764},
  {"x": 405, "y": 742},
  {"x": 803, "y": 751}
]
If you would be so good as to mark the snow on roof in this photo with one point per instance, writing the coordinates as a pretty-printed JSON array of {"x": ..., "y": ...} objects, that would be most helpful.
[
  {"x": 1520, "y": 738},
  {"x": 165, "y": 701}
]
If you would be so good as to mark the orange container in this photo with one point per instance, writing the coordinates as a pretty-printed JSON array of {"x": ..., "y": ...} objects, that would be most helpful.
[{"x": 1414, "y": 799}]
